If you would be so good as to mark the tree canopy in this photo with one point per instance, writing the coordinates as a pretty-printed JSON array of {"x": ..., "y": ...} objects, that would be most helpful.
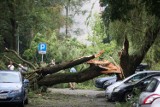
[{"x": 138, "y": 22}]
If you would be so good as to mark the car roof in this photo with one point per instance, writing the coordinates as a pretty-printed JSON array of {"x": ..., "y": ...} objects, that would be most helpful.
[
  {"x": 146, "y": 71},
  {"x": 153, "y": 76},
  {"x": 157, "y": 77},
  {"x": 126, "y": 79}
]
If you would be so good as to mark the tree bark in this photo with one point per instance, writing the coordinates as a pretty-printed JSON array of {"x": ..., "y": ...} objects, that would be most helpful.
[
  {"x": 90, "y": 73},
  {"x": 130, "y": 62},
  {"x": 65, "y": 65},
  {"x": 14, "y": 24}
]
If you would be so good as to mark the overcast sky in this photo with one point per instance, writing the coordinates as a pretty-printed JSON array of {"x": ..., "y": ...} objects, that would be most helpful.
[{"x": 80, "y": 21}]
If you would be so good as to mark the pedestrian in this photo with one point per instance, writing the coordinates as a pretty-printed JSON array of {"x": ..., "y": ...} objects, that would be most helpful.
[
  {"x": 22, "y": 68},
  {"x": 72, "y": 84},
  {"x": 25, "y": 68},
  {"x": 53, "y": 62},
  {"x": 11, "y": 66}
]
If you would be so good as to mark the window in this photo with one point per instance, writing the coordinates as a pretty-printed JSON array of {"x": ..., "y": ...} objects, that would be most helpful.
[
  {"x": 9, "y": 78},
  {"x": 137, "y": 77},
  {"x": 152, "y": 85}
]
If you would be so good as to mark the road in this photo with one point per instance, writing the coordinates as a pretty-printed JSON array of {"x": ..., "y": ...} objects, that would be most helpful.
[{"x": 70, "y": 98}]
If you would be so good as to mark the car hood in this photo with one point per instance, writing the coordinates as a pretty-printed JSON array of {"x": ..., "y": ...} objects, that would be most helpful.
[
  {"x": 10, "y": 86},
  {"x": 111, "y": 87}
]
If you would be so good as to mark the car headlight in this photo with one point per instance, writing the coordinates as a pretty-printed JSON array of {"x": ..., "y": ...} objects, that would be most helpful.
[
  {"x": 107, "y": 83},
  {"x": 116, "y": 89},
  {"x": 16, "y": 91}
]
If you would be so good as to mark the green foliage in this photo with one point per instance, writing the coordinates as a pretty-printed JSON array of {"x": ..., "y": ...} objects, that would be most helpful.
[
  {"x": 152, "y": 57},
  {"x": 59, "y": 49},
  {"x": 37, "y": 17},
  {"x": 116, "y": 9},
  {"x": 134, "y": 29},
  {"x": 132, "y": 19},
  {"x": 26, "y": 18},
  {"x": 90, "y": 84},
  {"x": 30, "y": 53},
  {"x": 119, "y": 9},
  {"x": 85, "y": 85},
  {"x": 100, "y": 40}
]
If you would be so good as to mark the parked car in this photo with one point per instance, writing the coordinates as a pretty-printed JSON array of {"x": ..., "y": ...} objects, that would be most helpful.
[
  {"x": 150, "y": 97},
  {"x": 125, "y": 91},
  {"x": 135, "y": 77},
  {"x": 104, "y": 82},
  {"x": 13, "y": 88}
]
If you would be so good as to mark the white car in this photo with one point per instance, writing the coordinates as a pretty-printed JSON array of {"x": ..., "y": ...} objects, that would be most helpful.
[
  {"x": 133, "y": 78},
  {"x": 151, "y": 95}
]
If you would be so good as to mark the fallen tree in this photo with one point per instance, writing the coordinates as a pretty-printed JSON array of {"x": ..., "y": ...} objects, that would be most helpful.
[{"x": 49, "y": 75}]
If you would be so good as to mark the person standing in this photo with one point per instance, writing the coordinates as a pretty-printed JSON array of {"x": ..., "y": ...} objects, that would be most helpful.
[
  {"x": 52, "y": 63},
  {"x": 25, "y": 68},
  {"x": 72, "y": 84},
  {"x": 22, "y": 68},
  {"x": 11, "y": 66}
]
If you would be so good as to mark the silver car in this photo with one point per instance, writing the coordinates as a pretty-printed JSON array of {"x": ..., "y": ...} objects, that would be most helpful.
[
  {"x": 13, "y": 88},
  {"x": 151, "y": 95},
  {"x": 133, "y": 78}
]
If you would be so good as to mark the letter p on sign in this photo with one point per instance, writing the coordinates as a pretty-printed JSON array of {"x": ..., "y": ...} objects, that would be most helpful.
[{"x": 42, "y": 48}]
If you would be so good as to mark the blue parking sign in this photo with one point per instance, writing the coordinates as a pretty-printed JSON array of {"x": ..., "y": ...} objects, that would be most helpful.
[{"x": 42, "y": 48}]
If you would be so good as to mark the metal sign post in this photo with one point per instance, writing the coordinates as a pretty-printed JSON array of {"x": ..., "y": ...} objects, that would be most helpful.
[{"x": 42, "y": 57}]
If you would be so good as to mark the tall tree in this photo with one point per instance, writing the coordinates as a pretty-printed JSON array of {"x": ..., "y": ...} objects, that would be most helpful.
[
  {"x": 23, "y": 19},
  {"x": 138, "y": 22}
]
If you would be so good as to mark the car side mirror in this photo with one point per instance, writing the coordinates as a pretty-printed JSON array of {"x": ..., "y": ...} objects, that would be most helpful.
[{"x": 26, "y": 82}]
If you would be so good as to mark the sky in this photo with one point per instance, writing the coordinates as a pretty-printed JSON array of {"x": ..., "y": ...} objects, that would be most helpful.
[{"x": 80, "y": 21}]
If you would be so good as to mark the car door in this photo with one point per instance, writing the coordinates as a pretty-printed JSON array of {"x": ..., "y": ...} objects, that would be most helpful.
[{"x": 142, "y": 84}]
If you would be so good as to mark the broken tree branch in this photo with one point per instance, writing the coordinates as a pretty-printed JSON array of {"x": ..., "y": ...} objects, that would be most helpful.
[
  {"x": 87, "y": 74},
  {"x": 65, "y": 65},
  {"x": 27, "y": 62}
]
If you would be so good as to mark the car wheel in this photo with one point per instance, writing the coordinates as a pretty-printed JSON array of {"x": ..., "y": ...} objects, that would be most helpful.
[
  {"x": 21, "y": 104},
  {"x": 128, "y": 96},
  {"x": 26, "y": 101}
]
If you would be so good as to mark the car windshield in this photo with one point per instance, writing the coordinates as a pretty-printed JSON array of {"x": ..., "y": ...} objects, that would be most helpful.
[{"x": 9, "y": 77}]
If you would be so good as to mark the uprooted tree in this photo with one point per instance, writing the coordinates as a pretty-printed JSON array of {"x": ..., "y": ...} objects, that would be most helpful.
[{"x": 48, "y": 75}]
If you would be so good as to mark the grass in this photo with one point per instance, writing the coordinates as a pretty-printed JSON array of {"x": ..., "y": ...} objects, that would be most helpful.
[{"x": 85, "y": 85}]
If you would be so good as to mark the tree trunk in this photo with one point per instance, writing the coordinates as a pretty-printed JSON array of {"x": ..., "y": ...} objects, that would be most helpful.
[
  {"x": 65, "y": 65},
  {"x": 90, "y": 73},
  {"x": 14, "y": 24},
  {"x": 130, "y": 62}
]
